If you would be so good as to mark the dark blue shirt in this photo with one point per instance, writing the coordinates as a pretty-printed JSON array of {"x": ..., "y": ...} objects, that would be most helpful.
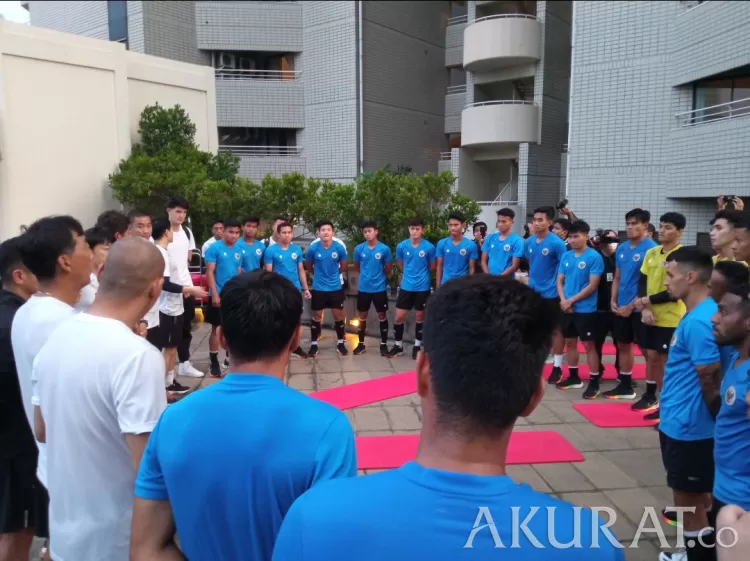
[
  {"x": 252, "y": 255},
  {"x": 577, "y": 270},
  {"x": 284, "y": 261},
  {"x": 372, "y": 263},
  {"x": 326, "y": 263},
  {"x": 629, "y": 261},
  {"x": 227, "y": 260},
  {"x": 456, "y": 257},
  {"x": 417, "y": 260},
  {"x": 500, "y": 252},
  {"x": 544, "y": 260}
]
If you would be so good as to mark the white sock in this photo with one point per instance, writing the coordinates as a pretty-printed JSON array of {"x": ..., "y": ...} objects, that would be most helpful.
[
  {"x": 341, "y": 341},
  {"x": 558, "y": 361},
  {"x": 170, "y": 378},
  {"x": 399, "y": 344},
  {"x": 417, "y": 343}
]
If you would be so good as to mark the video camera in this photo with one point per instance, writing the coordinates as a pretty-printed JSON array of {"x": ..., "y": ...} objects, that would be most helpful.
[
  {"x": 562, "y": 204},
  {"x": 599, "y": 237}
]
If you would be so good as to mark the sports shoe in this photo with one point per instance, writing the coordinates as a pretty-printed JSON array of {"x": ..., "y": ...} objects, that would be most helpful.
[
  {"x": 415, "y": 351},
  {"x": 396, "y": 351},
  {"x": 648, "y": 402},
  {"x": 360, "y": 349},
  {"x": 621, "y": 391},
  {"x": 592, "y": 390},
  {"x": 189, "y": 371},
  {"x": 299, "y": 353},
  {"x": 215, "y": 370},
  {"x": 383, "y": 349},
  {"x": 669, "y": 517},
  {"x": 674, "y": 556},
  {"x": 570, "y": 384},
  {"x": 341, "y": 349},
  {"x": 313, "y": 352},
  {"x": 556, "y": 375},
  {"x": 653, "y": 416},
  {"x": 225, "y": 365},
  {"x": 176, "y": 387}
]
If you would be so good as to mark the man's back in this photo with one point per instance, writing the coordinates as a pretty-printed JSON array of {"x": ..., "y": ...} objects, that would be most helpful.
[
  {"x": 232, "y": 458},
  {"x": 420, "y": 513}
]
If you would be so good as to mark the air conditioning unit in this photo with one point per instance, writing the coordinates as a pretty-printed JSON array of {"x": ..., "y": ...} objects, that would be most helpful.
[{"x": 227, "y": 60}]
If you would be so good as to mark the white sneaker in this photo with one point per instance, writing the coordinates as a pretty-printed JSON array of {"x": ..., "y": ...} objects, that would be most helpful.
[
  {"x": 187, "y": 369},
  {"x": 675, "y": 556}
]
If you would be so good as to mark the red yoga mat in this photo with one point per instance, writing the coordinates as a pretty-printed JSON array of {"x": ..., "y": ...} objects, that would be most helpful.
[
  {"x": 609, "y": 349},
  {"x": 639, "y": 372},
  {"x": 612, "y": 415},
  {"x": 542, "y": 447},
  {"x": 371, "y": 391}
]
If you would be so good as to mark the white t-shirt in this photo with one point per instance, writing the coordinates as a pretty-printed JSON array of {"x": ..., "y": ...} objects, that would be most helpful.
[
  {"x": 88, "y": 293},
  {"x": 152, "y": 316},
  {"x": 97, "y": 382},
  {"x": 170, "y": 304},
  {"x": 207, "y": 244},
  {"x": 178, "y": 254},
  {"x": 32, "y": 326}
]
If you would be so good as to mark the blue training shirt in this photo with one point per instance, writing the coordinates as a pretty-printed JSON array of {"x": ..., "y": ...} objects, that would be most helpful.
[
  {"x": 544, "y": 259},
  {"x": 577, "y": 270},
  {"x": 456, "y": 257},
  {"x": 629, "y": 260},
  {"x": 732, "y": 438},
  {"x": 284, "y": 261},
  {"x": 372, "y": 263},
  {"x": 326, "y": 272},
  {"x": 252, "y": 255},
  {"x": 227, "y": 260},
  {"x": 230, "y": 489},
  {"x": 501, "y": 251},
  {"x": 417, "y": 260},
  {"x": 684, "y": 414},
  {"x": 374, "y": 518}
]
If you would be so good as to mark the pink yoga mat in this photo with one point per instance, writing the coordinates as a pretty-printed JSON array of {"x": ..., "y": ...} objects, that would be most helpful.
[
  {"x": 639, "y": 372},
  {"x": 542, "y": 447},
  {"x": 609, "y": 349},
  {"x": 611, "y": 415},
  {"x": 371, "y": 391}
]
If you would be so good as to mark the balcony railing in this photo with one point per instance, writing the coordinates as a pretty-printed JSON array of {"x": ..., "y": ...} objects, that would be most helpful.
[
  {"x": 458, "y": 19},
  {"x": 262, "y": 151},
  {"x": 266, "y": 75},
  {"x": 456, "y": 89},
  {"x": 721, "y": 112},
  {"x": 445, "y": 156},
  {"x": 502, "y": 16},
  {"x": 500, "y": 102}
]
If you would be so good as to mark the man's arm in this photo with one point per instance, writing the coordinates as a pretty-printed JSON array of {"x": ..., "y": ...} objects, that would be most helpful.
[
  {"x": 268, "y": 267},
  {"x": 302, "y": 277},
  {"x": 388, "y": 268},
  {"x": 472, "y": 266},
  {"x": 40, "y": 428},
  {"x": 709, "y": 376},
  {"x": 588, "y": 290},
  {"x": 704, "y": 354},
  {"x": 152, "y": 532},
  {"x": 615, "y": 290},
  {"x": 560, "y": 286},
  {"x": 211, "y": 277},
  {"x": 136, "y": 444},
  {"x": 515, "y": 263},
  {"x": 485, "y": 263},
  {"x": 439, "y": 272}
]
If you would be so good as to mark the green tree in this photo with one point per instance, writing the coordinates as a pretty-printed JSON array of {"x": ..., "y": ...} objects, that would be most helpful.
[{"x": 162, "y": 128}]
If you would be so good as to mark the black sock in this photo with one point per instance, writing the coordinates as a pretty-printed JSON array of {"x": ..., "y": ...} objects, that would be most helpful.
[
  {"x": 573, "y": 370},
  {"x": 398, "y": 333},
  {"x": 340, "y": 331},
  {"x": 214, "y": 356},
  {"x": 418, "y": 333},
  {"x": 314, "y": 332},
  {"x": 651, "y": 387},
  {"x": 362, "y": 330},
  {"x": 384, "y": 332},
  {"x": 704, "y": 548}
]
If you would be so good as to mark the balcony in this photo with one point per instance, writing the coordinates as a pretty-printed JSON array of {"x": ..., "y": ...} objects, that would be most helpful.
[
  {"x": 454, "y": 41},
  {"x": 258, "y": 161},
  {"x": 498, "y": 124},
  {"x": 455, "y": 100},
  {"x": 259, "y": 99},
  {"x": 501, "y": 41},
  {"x": 444, "y": 164}
]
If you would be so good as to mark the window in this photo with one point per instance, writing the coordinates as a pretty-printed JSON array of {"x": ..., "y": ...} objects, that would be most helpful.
[
  {"x": 117, "y": 16},
  {"x": 710, "y": 98}
]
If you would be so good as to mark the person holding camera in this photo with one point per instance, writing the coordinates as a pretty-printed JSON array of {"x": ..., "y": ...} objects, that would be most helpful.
[
  {"x": 605, "y": 242},
  {"x": 730, "y": 202},
  {"x": 480, "y": 233}
]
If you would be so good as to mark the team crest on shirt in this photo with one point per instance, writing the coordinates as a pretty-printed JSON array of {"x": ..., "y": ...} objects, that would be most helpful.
[
  {"x": 258, "y": 251},
  {"x": 637, "y": 257},
  {"x": 236, "y": 255},
  {"x": 506, "y": 247},
  {"x": 545, "y": 251},
  {"x": 582, "y": 265},
  {"x": 421, "y": 253},
  {"x": 334, "y": 255},
  {"x": 730, "y": 396},
  {"x": 462, "y": 252},
  {"x": 294, "y": 256},
  {"x": 378, "y": 256},
  {"x": 319, "y": 256}
]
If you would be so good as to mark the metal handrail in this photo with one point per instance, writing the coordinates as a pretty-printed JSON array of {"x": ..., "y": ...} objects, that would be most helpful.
[
  {"x": 721, "y": 112},
  {"x": 498, "y": 200},
  {"x": 456, "y": 89},
  {"x": 502, "y": 16},
  {"x": 262, "y": 151},
  {"x": 458, "y": 19},
  {"x": 445, "y": 156},
  {"x": 265, "y": 75},
  {"x": 501, "y": 102}
]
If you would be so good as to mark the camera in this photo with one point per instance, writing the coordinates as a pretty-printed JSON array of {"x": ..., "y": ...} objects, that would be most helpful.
[
  {"x": 562, "y": 204},
  {"x": 599, "y": 238},
  {"x": 483, "y": 230},
  {"x": 728, "y": 198}
]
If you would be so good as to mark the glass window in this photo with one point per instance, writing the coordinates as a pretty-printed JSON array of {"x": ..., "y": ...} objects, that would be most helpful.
[
  {"x": 711, "y": 98},
  {"x": 117, "y": 14}
]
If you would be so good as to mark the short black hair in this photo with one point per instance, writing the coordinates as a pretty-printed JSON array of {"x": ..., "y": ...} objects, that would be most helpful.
[
  {"x": 416, "y": 222},
  {"x": 160, "y": 227},
  {"x": 135, "y": 213},
  {"x": 45, "y": 241},
  {"x": 487, "y": 339},
  {"x": 251, "y": 220},
  {"x": 96, "y": 236},
  {"x": 731, "y": 215},
  {"x": 743, "y": 291},
  {"x": 735, "y": 273},
  {"x": 282, "y": 218},
  {"x": 10, "y": 258},
  {"x": 114, "y": 222},
  {"x": 231, "y": 223},
  {"x": 564, "y": 223},
  {"x": 479, "y": 225},
  {"x": 177, "y": 202},
  {"x": 508, "y": 212},
  {"x": 457, "y": 216},
  {"x": 322, "y": 223},
  {"x": 675, "y": 219},
  {"x": 369, "y": 224},
  {"x": 260, "y": 313},
  {"x": 216, "y": 221},
  {"x": 651, "y": 228},
  {"x": 547, "y": 210},
  {"x": 640, "y": 215},
  {"x": 577, "y": 227},
  {"x": 284, "y": 225},
  {"x": 694, "y": 258}
]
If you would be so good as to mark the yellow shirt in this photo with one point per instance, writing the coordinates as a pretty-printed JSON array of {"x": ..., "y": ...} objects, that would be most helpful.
[
  {"x": 655, "y": 268},
  {"x": 716, "y": 260}
]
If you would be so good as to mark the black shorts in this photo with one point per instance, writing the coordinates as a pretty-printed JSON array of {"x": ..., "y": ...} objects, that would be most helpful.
[
  {"x": 171, "y": 330},
  {"x": 24, "y": 502},
  {"x": 327, "y": 300},
  {"x": 378, "y": 299},
  {"x": 408, "y": 300},
  {"x": 154, "y": 336},
  {"x": 604, "y": 325},
  {"x": 212, "y": 314},
  {"x": 579, "y": 326},
  {"x": 689, "y": 464},
  {"x": 627, "y": 330},
  {"x": 656, "y": 338}
]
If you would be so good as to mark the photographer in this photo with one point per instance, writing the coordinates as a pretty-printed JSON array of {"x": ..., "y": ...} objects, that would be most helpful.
[
  {"x": 480, "y": 233},
  {"x": 730, "y": 202},
  {"x": 561, "y": 228},
  {"x": 605, "y": 242},
  {"x": 562, "y": 208}
]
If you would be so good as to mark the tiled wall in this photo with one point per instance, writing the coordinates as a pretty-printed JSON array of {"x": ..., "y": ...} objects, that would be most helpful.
[
  {"x": 260, "y": 103},
  {"x": 257, "y": 168},
  {"x": 82, "y": 18},
  {"x": 169, "y": 28},
  {"x": 454, "y": 104},
  {"x": 136, "y": 27},
  {"x": 454, "y": 45}
]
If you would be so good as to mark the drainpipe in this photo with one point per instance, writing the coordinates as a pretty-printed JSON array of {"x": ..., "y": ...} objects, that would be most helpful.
[
  {"x": 570, "y": 92},
  {"x": 361, "y": 93}
]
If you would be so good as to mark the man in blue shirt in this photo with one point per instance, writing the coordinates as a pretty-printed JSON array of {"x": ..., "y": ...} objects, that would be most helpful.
[
  {"x": 223, "y": 260},
  {"x": 626, "y": 326},
  {"x": 544, "y": 250},
  {"x": 578, "y": 279},
  {"x": 327, "y": 261},
  {"x": 228, "y": 490},
  {"x": 456, "y": 255},
  {"x": 503, "y": 250},
  {"x": 690, "y": 395},
  {"x": 486, "y": 340},
  {"x": 285, "y": 258},
  {"x": 252, "y": 249},
  {"x": 374, "y": 261},
  {"x": 416, "y": 260}
]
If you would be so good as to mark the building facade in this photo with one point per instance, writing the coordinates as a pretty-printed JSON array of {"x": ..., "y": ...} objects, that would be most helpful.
[{"x": 660, "y": 96}]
